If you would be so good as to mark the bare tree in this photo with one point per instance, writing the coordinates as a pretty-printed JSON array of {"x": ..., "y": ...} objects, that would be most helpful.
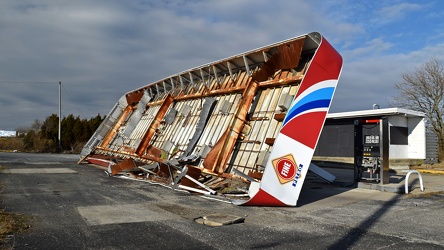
[
  {"x": 423, "y": 90},
  {"x": 36, "y": 125}
]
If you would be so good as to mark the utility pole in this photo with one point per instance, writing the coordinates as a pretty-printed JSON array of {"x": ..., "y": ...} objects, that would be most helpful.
[{"x": 60, "y": 117}]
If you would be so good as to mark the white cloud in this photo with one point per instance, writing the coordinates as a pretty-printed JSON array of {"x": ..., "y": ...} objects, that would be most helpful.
[
  {"x": 104, "y": 48},
  {"x": 371, "y": 79},
  {"x": 398, "y": 11},
  {"x": 370, "y": 48}
]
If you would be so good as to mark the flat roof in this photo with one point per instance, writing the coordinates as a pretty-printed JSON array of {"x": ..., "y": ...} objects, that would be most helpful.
[{"x": 376, "y": 112}]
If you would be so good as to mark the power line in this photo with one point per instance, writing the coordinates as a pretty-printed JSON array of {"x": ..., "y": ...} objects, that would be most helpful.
[
  {"x": 68, "y": 95},
  {"x": 28, "y": 82}
]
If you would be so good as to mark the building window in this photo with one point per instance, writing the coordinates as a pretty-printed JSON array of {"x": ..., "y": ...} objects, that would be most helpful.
[{"x": 399, "y": 135}]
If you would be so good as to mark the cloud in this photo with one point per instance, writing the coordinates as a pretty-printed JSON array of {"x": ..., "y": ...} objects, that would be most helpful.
[
  {"x": 370, "y": 48},
  {"x": 102, "y": 49},
  {"x": 398, "y": 11},
  {"x": 371, "y": 79}
]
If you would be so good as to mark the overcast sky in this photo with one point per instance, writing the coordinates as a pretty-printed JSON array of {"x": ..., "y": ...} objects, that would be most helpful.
[{"x": 101, "y": 49}]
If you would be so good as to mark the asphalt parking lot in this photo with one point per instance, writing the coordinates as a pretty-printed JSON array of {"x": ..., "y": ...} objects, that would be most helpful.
[{"x": 78, "y": 207}]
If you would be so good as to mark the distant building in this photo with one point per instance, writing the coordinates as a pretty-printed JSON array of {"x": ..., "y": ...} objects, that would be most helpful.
[
  {"x": 407, "y": 134},
  {"x": 6, "y": 133}
]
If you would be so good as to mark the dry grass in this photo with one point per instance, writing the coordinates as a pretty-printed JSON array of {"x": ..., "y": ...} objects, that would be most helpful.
[
  {"x": 11, "y": 223},
  {"x": 435, "y": 166}
]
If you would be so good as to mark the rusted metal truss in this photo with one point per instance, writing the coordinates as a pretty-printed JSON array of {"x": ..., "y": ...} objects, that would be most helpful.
[{"x": 206, "y": 129}]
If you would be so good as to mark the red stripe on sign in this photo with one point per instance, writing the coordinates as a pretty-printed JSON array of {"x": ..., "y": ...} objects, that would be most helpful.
[
  {"x": 305, "y": 128},
  {"x": 326, "y": 65},
  {"x": 263, "y": 198}
]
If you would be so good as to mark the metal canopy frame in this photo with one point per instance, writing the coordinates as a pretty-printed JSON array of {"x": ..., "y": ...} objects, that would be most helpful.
[{"x": 234, "y": 134}]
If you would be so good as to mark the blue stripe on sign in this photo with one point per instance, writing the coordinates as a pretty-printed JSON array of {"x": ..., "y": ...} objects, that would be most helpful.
[
  {"x": 320, "y": 94},
  {"x": 307, "y": 106}
]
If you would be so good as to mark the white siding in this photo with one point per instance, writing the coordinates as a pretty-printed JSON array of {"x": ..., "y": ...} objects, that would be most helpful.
[
  {"x": 398, "y": 152},
  {"x": 417, "y": 138}
]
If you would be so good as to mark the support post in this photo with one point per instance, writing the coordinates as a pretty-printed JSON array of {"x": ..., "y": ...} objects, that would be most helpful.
[
  {"x": 384, "y": 149},
  {"x": 60, "y": 118}
]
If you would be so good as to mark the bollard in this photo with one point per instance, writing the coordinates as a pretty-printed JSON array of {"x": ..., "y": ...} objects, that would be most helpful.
[{"x": 407, "y": 181}]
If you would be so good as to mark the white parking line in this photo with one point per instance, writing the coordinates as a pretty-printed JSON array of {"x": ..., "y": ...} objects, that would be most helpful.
[{"x": 38, "y": 171}]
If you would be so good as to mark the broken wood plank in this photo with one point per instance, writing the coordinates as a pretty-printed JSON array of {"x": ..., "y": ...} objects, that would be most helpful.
[
  {"x": 269, "y": 141},
  {"x": 279, "y": 117}
]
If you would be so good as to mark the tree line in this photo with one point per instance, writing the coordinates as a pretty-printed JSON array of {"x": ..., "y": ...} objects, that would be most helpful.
[{"x": 42, "y": 136}]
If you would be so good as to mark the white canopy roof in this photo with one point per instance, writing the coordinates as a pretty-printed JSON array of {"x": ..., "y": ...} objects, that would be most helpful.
[{"x": 376, "y": 112}]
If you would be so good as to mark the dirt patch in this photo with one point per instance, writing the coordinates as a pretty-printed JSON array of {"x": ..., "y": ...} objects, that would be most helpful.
[{"x": 436, "y": 166}]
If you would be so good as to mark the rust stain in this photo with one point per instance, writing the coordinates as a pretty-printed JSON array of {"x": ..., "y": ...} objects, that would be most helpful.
[{"x": 134, "y": 97}]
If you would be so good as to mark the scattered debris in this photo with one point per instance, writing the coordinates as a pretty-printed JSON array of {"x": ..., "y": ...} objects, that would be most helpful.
[{"x": 217, "y": 220}]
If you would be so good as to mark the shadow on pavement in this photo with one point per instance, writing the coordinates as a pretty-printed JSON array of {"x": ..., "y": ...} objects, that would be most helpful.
[{"x": 356, "y": 233}]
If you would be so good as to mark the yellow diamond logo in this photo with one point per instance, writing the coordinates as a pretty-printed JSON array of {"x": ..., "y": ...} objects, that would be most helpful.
[{"x": 285, "y": 168}]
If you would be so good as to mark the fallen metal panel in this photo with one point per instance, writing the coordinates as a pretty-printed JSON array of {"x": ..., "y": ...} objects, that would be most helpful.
[
  {"x": 207, "y": 109},
  {"x": 321, "y": 173}
]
